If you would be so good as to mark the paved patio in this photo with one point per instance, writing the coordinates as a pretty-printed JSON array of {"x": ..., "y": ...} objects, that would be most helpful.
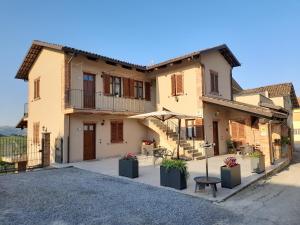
[{"x": 149, "y": 174}]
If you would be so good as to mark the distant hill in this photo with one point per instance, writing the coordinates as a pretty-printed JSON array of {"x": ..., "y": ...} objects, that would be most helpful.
[{"x": 8, "y": 131}]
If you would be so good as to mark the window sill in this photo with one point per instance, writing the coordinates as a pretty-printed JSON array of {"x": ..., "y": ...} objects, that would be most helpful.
[
  {"x": 117, "y": 142},
  {"x": 215, "y": 93}
]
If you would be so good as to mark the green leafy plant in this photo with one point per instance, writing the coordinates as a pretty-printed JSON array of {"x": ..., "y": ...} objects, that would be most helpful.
[
  {"x": 230, "y": 146},
  {"x": 256, "y": 154},
  {"x": 285, "y": 140},
  {"x": 176, "y": 164}
]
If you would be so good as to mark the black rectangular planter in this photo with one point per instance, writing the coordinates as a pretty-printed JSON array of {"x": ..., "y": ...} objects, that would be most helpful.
[
  {"x": 230, "y": 176},
  {"x": 128, "y": 168},
  {"x": 258, "y": 164},
  {"x": 172, "y": 178}
]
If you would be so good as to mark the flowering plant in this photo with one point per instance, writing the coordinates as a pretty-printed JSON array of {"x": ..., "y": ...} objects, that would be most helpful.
[
  {"x": 230, "y": 162},
  {"x": 129, "y": 156},
  {"x": 148, "y": 142}
]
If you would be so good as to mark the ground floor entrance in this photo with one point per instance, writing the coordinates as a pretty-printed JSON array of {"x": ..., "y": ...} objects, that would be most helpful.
[{"x": 89, "y": 141}]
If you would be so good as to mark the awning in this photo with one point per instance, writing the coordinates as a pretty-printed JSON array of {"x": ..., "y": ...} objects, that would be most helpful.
[{"x": 256, "y": 110}]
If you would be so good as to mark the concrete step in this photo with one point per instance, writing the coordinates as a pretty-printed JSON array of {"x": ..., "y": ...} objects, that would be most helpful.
[
  {"x": 192, "y": 151},
  {"x": 199, "y": 158}
]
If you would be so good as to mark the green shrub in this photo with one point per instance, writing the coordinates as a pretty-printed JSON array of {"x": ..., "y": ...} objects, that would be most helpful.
[
  {"x": 256, "y": 154},
  {"x": 176, "y": 164}
]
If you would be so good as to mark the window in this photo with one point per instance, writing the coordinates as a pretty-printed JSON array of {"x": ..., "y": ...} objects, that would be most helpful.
[
  {"x": 36, "y": 92},
  {"x": 111, "y": 85},
  {"x": 214, "y": 82},
  {"x": 176, "y": 84},
  {"x": 36, "y": 132},
  {"x": 115, "y": 86},
  {"x": 116, "y": 131},
  {"x": 138, "y": 89},
  {"x": 296, "y": 131}
]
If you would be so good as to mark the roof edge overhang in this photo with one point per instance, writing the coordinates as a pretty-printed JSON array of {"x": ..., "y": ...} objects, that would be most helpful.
[
  {"x": 256, "y": 110},
  {"x": 37, "y": 46},
  {"x": 223, "y": 49}
]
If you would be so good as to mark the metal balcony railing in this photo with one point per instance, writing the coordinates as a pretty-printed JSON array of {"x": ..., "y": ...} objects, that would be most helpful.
[{"x": 80, "y": 99}]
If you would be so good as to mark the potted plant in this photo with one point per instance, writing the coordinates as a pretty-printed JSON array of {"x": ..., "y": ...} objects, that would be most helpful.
[
  {"x": 230, "y": 173},
  {"x": 129, "y": 166},
  {"x": 285, "y": 142},
  {"x": 230, "y": 147},
  {"x": 257, "y": 161},
  {"x": 173, "y": 173}
]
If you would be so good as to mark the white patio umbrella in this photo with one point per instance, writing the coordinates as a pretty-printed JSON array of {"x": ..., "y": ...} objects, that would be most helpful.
[{"x": 163, "y": 116}]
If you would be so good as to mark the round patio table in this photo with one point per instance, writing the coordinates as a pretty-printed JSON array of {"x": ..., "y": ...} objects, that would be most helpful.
[{"x": 203, "y": 181}]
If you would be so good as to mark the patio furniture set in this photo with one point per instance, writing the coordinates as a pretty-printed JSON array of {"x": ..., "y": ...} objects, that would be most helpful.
[{"x": 173, "y": 170}]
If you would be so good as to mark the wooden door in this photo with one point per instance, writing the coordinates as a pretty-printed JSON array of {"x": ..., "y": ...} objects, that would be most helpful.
[
  {"x": 89, "y": 90},
  {"x": 89, "y": 141},
  {"x": 216, "y": 137}
]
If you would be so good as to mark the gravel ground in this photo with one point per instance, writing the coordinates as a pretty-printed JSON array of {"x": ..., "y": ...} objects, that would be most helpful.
[{"x": 73, "y": 196}]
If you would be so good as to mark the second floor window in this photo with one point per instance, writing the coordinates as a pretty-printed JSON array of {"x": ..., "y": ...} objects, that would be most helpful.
[
  {"x": 36, "y": 91},
  {"x": 176, "y": 84},
  {"x": 138, "y": 89},
  {"x": 115, "y": 86},
  {"x": 214, "y": 82}
]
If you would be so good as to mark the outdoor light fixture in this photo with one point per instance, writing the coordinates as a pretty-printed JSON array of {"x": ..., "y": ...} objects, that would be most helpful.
[{"x": 102, "y": 123}]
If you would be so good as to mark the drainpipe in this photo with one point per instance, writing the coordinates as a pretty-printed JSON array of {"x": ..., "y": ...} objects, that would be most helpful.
[
  {"x": 69, "y": 130},
  {"x": 270, "y": 142}
]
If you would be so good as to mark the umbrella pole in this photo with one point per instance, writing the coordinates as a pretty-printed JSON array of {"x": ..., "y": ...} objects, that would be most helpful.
[{"x": 179, "y": 131}]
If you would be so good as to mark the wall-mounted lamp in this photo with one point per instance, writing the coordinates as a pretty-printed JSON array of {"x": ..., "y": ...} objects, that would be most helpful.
[
  {"x": 217, "y": 113},
  {"x": 102, "y": 123},
  {"x": 44, "y": 129}
]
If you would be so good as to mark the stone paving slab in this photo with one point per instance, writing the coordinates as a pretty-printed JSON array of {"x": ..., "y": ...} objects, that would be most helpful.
[{"x": 149, "y": 174}]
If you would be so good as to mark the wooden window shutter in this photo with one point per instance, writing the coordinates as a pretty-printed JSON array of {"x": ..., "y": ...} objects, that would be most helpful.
[
  {"x": 106, "y": 84},
  {"x": 113, "y": 131},
  {"x": 131, "y": 88},
  {"x": 199, "y": 126},
  {"x": 148, "y": 91},
  {"x": 241, "y": 128},
  {"x": 216, "y": 83},
  {"x": 212, "y": 82},
  {"x": 234, "y": 130},
  {"x": 120, "y": 131},
  {"x": 173, "y": 85},
  {"x": 179, "y": 84},
  {"x": 126, "y": 87},
  {"x": 38, "y": 88}
]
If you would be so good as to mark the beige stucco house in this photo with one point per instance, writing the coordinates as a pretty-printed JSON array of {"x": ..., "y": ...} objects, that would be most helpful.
[
  {"x": 296, "y": 126},
  {"x": 84, "y": 100}
]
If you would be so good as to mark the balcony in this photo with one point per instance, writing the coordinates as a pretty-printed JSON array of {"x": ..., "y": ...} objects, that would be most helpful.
[{"x": 87, "y": 101}]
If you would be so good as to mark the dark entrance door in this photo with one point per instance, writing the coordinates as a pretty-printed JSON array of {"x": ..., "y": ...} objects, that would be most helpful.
[
  {"x": 216, "y": 137},
  {"x": 89, "y": 90},
  {"x": 89, "y": 141}
]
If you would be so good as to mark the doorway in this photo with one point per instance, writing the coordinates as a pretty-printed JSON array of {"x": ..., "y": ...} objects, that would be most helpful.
[
  {"x": 89, "y": 87},
  {"x": 216, "y": 137},
  {"x": 89, "y": 141}
]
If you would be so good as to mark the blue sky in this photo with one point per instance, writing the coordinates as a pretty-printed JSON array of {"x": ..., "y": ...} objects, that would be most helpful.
[{"x": 264, "y": 36}]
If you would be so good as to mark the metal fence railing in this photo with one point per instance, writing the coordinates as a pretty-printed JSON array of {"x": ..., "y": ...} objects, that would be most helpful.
[
  {"x": 80, "y": 99},
  {"x": 19, "y": 153}
]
